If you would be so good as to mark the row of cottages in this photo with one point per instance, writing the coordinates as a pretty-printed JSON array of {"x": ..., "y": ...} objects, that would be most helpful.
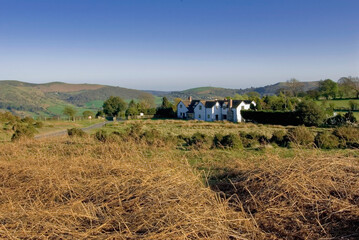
[{"x": 213, "y": 110}]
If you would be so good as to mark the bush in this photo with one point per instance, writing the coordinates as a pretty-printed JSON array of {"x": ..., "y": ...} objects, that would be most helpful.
[
  {"x": 28, "y": 120},
  {"x": 348, "y": 136},
  {"x": 23, "y": 131},
  {"x": 231, "y": 141},
  {"x": 151, "y": 136},
  {"x": 76, "y": 132},
  {"x": 217, "y": 140},
  {"x": 38, "y": 124},
  {"x": 309, "y": 113},
  {"x": 280, "y": 138},
  {"x": 198, "y": 140},
  {"x": 301, "y": 136},
  {"x": 102, "y": 136},
  {"x": 250, "y": 139},
  {"x": 326, "y": 140},
  {"x": 349, "y": 117}
]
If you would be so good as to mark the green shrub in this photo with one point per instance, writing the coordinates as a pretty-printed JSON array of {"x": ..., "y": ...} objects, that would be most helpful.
[
  {"x": 217, "y": 140},
  {"x": 38, "y": 124},
  {"x": 231, "y": 141},
  {"x": 301, "y": 136},
  {"x": 348, "y": 136},
  {"x": 76, "y": 132},
  {"x": 250, "y": 139},
  {"x": 198, "y": 140},
  {"x": 28, "y": 120},
  {"x": 280, "y": 138},
  {"x": 23, "y": 131},
  {"x": 326, "y": 140},
  {"x": 102, "y": 135}
]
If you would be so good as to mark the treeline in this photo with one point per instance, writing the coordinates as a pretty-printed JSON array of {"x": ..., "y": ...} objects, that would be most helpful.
[
  {"x": 20, "y": 107},
  {"x": 118, "y": 108}
]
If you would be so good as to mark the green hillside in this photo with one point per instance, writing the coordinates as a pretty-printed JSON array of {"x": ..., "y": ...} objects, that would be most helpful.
[
  {"x": 217, "y": 92},
  {"x": 49, "y": 99}
]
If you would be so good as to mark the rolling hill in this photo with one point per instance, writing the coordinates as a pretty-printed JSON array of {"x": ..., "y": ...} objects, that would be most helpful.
[
  {"x": 217, "y": 92},
  {"x": 49, "y": 99}
]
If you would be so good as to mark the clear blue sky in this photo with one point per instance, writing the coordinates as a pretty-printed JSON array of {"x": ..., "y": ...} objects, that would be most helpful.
[{"x": 178, "y": 44}]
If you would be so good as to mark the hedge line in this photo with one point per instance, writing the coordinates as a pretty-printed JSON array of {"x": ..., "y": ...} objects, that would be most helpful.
[{"x": 271, "y": 117}]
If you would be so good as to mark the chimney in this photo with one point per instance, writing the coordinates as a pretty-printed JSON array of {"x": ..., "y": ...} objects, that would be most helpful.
[
  {"x": 230, "y": 103},
  {"x": 190, "y": 98}
]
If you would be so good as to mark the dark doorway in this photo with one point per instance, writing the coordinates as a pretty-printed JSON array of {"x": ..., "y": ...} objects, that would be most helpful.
[
  {"x": 224, "y": 117},
  {"x": 216, "y": 117}
]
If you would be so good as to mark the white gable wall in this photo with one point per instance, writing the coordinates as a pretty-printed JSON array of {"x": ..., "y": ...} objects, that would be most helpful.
[
  {"x": 209, "y": 114},
  {"x": 242, "y": 106},
  {"x": 200, "y": 112},
  {"x": 181, "y": 110}
]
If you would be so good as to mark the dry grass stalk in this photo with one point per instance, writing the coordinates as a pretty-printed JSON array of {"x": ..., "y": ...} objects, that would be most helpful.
[{"x": 82, "y": 189}]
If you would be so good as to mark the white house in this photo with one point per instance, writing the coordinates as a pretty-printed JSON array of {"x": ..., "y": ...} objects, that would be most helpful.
[{"x": 213, "y": 110}]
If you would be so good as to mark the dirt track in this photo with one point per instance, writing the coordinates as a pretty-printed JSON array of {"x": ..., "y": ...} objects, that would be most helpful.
[{"x": 64, "y": 132}]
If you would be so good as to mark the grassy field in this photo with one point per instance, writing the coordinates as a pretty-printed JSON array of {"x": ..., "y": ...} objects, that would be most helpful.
[{"x": 134, "y": 186}]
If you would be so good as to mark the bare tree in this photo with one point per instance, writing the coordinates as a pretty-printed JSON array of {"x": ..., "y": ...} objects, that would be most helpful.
[{"x": 294, "y": 86}]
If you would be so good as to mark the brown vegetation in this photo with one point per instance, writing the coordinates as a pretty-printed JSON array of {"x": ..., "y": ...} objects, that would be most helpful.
[
  {"x": 311, "y": 196},
  {"x": 83, "y": 189}
]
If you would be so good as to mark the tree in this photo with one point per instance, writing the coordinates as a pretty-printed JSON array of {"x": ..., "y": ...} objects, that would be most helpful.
[
  {"x": 309, "y": 113},
  {"x": 345, "y": 87},
  {"x": 313, "y": 94},
  {"x": 147, "y": 100},
  {"x": 132, "y": 104},
  {"x": 294, "y": 87},
  {"x": 354, "y": 84},
  {"x": 166, "y": 103},
  {"x": 70, "y": 112},
  {"x": 132, "y": 111},
  {"x": 328, "y": 88},
  {"x": 88, "y": 114},
  {"x": 166, "y": 109},
  {"x": 113, "y": 106}
]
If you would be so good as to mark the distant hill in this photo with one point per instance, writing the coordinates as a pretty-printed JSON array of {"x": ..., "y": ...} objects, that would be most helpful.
[
  {"x": 50, "y": 98},
  {"x": 217, "y": 92}
]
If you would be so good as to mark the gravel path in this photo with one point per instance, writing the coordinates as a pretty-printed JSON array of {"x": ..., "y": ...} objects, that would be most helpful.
[{"x": 64, "y": 132}]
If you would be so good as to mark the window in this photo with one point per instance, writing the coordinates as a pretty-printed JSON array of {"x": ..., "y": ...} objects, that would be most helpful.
[
  {"x": 180, "y": 105},
  {"x": 224, "y": 117},
  {"x": 242, "y": 108},
  {"x": 209, "y": 116},
  {"x": 200, "y": 107},
  {"x": 199, "y": 116}
]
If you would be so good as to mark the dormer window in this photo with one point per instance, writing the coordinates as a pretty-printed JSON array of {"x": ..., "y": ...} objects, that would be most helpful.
[{"x": 200, "y": 107}]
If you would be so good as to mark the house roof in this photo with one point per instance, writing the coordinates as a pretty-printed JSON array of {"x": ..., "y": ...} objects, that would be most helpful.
[{"x": 211, "y": 103}]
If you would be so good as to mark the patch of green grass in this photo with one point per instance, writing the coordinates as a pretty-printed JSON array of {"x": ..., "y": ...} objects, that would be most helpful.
[
  {"x": 96, "y": 104},
  {"x": 338, "y": 103}
]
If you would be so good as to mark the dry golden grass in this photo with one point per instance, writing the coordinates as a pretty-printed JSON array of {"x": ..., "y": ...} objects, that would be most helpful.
[
  {"x": 314, "y": 195},
  {"x": 82, "y": 189},
  {"x": 181, "y": 127}
]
